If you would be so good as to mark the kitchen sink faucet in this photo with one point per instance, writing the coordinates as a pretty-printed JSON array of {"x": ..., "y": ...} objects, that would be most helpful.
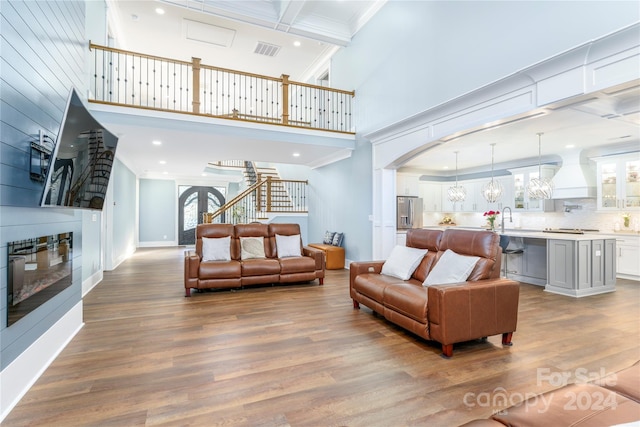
[{"x": 510, "y": 217}]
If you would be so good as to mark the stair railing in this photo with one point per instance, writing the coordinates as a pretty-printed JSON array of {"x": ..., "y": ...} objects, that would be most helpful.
[{"x": 249, "y": 205}]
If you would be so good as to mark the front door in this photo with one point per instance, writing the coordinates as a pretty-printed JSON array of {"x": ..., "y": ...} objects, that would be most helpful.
[{"x": 193, "y": 202}]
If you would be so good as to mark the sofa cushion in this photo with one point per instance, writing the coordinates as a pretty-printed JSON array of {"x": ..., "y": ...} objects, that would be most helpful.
[
  {"x": 260, "y": 267},
  {"x": 403, "y": 261},
  {"x": 288, "y": 246},
  {"x": 407, "y": 298},
  {"x": 216, "y": 249},
  {"x": 372, "y": 284},
  {"x": 219, "y": 270},
  {"x": 451, "y": 268},
  {"x": 252, "y": 247},
  {"x": 298, "y": 264}
]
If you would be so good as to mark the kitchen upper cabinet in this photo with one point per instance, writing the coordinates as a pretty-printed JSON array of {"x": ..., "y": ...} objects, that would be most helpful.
[
  {"x": 521, "y": 179},
  {"x": 618, "y": 181},
  {"x": 407, "y": 184},
  {"x": 475, "y": 201},
  {"x": 431, "y": 194},
  {"x": 505, "y": 200}
]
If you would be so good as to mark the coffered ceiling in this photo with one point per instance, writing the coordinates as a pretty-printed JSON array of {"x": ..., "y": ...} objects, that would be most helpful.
[{"x": 297, "y": 38}]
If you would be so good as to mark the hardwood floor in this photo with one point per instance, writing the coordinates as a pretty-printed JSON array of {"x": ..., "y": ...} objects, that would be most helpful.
[{"x": 300, "y": 355}]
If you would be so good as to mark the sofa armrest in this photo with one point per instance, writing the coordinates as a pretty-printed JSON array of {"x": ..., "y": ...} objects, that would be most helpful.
[
  {"x": 191, "y": 268},
  {"x": 472, "y": 310},
  {"x": 362, "y": 267},
  {"x": 316, "y": 254}
]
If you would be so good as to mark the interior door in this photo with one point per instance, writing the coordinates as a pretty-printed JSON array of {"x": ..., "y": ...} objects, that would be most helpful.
[{"x": 195, "y": 201}]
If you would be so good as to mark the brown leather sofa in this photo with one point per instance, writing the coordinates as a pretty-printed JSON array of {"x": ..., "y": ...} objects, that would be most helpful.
[
  {"x": 484, "y": 305},
  {"x": 236, "y": 272},
  {"x": 612, "y": 400}
]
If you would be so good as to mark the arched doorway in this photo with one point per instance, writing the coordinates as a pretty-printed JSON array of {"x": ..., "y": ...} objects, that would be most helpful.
[{"x": 193, "y": 201}]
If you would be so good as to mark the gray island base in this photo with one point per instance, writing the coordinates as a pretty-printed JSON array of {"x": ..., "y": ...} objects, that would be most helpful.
[{"x": 575, "y": 265}]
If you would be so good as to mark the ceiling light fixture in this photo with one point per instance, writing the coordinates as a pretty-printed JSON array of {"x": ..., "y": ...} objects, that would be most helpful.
[
  {"x": 539, "y": 188},
  {"x": 457, "y": 193},
  {"x": 492, "y": 190},
  {"x": 297, "y": 43},
  {"x": 159, "y": 11},
  {"x": 156, "y": 142},
  {"x": 296, "y": 154}
]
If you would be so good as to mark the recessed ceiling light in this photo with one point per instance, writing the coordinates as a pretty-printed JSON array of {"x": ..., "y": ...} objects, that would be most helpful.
[
  {"x": 165, "y": 173},
  {"x": 569, "y": 146},
  {"x": 296, "y": 154},
  {"x": 159, "y": 11},
  {"x": 163, "y": 162},
  {"x": 445, "y": 167},
  {"x": 297, "y": 43},
  {"x": 156, "y": 142},
  {"x": 204, "y": 174}
]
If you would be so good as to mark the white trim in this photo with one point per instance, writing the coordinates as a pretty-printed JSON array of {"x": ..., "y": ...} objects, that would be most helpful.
[
  {"x": 577, "y": 293},
  {"x": 91, "y": 282},
  {"x": 17, "y": 378},
  {"x": 158, "y": 243}
]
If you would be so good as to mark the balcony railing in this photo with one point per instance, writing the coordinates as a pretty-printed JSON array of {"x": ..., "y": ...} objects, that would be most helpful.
[{"x": 144, "y": 81}]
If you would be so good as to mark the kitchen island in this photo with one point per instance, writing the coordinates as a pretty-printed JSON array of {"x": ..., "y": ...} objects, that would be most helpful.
[
  {"x": 575, "y": 265},
  {"x": 569, "y": 264}
]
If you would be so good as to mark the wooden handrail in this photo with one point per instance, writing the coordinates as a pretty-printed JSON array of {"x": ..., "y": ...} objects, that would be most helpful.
[
  {"x": 295, "y": 104},
  {"x": 236, "y": 199}
]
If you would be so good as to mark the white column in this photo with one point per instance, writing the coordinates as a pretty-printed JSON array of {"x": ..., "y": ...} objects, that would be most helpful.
[{"x": 384, "y": 212}]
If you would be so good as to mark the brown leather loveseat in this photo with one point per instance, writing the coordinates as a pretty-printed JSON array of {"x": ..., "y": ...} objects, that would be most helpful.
[
  {"x": 237, "y": 269},
  {"x": 481, "y": 306},
  {"x": 610, "y": 401}
]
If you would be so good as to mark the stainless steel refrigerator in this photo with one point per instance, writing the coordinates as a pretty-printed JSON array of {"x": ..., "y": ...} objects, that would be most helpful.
[{"x": 409, "y": 213}]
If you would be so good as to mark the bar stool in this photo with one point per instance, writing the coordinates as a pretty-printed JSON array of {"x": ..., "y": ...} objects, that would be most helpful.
[{"x": 504, "y": 244}]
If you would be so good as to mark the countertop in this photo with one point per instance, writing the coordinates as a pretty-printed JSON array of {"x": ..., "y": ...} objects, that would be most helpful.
[{"x": 539, "y": 234}]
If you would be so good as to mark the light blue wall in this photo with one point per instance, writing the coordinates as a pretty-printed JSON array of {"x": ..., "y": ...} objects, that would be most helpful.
[
  {"x": 123, "y": 230},
  {"x": 158, "y": 200},
  {"x": 42, "y": 56},
  {"x": 414, "y": 55}
]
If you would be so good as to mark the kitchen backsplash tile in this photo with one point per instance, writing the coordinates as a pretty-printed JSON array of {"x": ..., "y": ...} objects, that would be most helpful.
[{"x": 575, "y": 213}]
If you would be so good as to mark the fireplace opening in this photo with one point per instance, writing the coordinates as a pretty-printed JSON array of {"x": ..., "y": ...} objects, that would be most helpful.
[{"x": 38, "y": 269}]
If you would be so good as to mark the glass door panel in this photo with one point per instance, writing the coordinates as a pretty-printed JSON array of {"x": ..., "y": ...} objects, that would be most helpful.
[
  {"x": 518, "y": 191},
  {"x": 632, "y": 184},
  {"x": 608, "y": 184}
]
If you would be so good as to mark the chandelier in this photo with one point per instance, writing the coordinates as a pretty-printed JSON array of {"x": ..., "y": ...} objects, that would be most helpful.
[
  {"x": 539, "y": 188},
  {"x": 492, "y": 190},
  {"x": 457, "y": 193}
]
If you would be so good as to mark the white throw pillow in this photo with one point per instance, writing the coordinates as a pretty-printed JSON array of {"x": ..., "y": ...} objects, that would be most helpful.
[
  {"x": 403, "y": 261},
  {"x": 216, "y": 249},
  {"x": 252, "y": 247},
  {"x": 288, "y": 246},
  {"x": 451, "y": 268}
]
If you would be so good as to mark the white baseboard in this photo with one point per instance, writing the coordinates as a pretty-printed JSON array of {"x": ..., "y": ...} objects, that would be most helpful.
[
  {"x": 159, "y": 243},
  {"x": 91, "y": 282},
  {"x": 17, "y": 378}
]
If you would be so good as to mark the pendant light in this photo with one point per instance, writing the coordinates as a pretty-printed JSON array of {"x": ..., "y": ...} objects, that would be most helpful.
[
  {"x": 492, "y": 190},
  {"x": 457, "y": 193},
  {"x": 539, "y": 188}
]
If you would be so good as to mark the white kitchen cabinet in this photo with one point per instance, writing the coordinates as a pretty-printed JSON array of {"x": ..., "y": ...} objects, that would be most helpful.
[
  {"x": 628, "y": 257},
  {"x": 431, "y": 194},
  {"x": 618, "y": 182},
  {"x": 505, "y": 200},
  {"x": 407, "y": 184},
  {"x": 521, "y": 179}
]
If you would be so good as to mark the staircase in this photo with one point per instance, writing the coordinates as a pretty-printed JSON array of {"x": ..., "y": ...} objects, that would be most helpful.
[{"x": 265, "y": 193}]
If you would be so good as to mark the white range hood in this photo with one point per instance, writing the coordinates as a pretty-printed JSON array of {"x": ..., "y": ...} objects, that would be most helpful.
[{"x": 576, "y": 178}]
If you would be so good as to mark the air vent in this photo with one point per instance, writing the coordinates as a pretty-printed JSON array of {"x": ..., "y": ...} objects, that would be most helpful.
[{"x": 266, "y": 49}]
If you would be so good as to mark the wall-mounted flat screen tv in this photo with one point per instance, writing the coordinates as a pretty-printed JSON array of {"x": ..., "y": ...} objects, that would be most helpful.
[{"x": 81, "y": 162}]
